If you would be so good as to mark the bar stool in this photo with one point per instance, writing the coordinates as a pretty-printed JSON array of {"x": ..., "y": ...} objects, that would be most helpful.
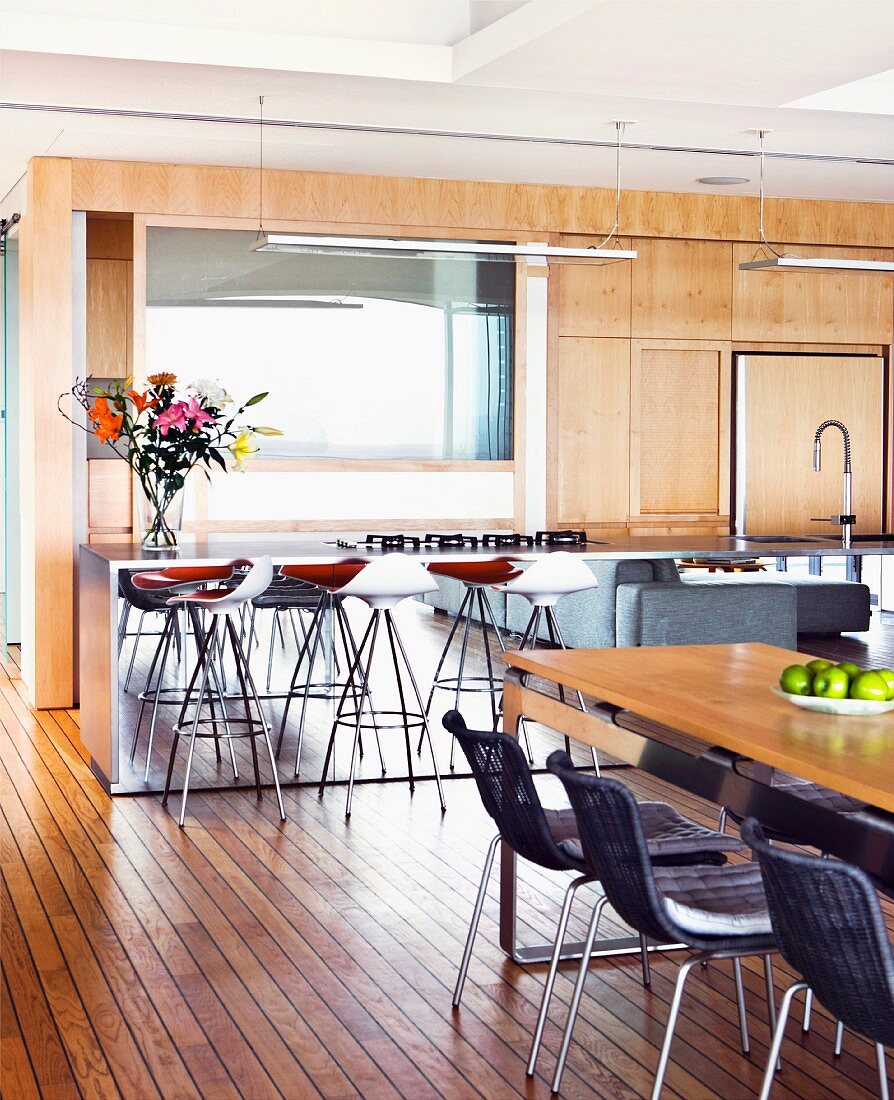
[
  {"x": 327, "y": 581},
  {"x": 225, "y": 607},
  {"x": 543, "y": 584},
  {"x": 167, "y": 582},
  {"x": 476, "y": 577},
  {"x": 382, "y": 585}
]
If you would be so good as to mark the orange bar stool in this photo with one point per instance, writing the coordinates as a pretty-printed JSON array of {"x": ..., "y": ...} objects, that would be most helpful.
[
  {"x": 328, "y": 580},
  {"x": 476, "y": 577},
  {"x": 225, "y": 606},
  {"x": 171, "y": 580},
  {"x": 382, "y": 585},
  {"x": 543, "y": 584}
]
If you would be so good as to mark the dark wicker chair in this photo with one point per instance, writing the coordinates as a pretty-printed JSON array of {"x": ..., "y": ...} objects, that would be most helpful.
[
  {"x": 829, "y": 926},
  {"x": 147, "y": 603},
  {"x": 284, "y": 597},
  {"x": 549, "y": 839},
  {"x": 718, "y": 912}
]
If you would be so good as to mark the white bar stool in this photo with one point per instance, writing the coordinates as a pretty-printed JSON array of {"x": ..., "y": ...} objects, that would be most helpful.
[
  {"x": 225, "y": 606},
  {"x": 543, "y": 584},
  {"x": 382, "y": 585}
]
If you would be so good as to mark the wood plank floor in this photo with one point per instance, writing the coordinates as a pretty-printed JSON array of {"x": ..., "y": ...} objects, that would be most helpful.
[{"x": 238, "y": 957}]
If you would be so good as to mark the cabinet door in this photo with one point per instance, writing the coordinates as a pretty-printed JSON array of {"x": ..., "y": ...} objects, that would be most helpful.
[
  {"x": 679, "y": 437},
  {"x": 785, "y": 399},
  {"x": 594, "y": 423}
]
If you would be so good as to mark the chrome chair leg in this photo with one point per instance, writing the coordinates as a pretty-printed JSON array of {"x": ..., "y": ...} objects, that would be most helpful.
[
  {"x": 559, "y": 940},
  {"x": 740, "y": 1005},
  {"x": 882, "y": 1071},
  {"x": 778, "y": 1033},
  {"x": 644, "y": 959},
  {"x": 133, "y": 652},
  {"x": 839, "y": 1039},
  {"x": 808, "y": 1005},
  {"x": 771, "y": 997},
  {"x": 473, "y": 924},
  {"x": 683, "y": 974},
  {"x": 122, "y": 625},
  {"x": 576, "y": 996}
]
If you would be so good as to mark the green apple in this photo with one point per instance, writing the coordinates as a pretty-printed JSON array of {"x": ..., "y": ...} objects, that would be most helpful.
[
  {"x": 796, "y": 680},
  {"x": 831, "y": 683},
  {"x": 887, "y": 675},
  {"x": 850, "y": 668},
  {"x": 818, "y": 664},
  {"x": 869, "y": 686}
]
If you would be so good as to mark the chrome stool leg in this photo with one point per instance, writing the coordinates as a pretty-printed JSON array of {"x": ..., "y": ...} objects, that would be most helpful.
[{"x": 476, "y": 917}]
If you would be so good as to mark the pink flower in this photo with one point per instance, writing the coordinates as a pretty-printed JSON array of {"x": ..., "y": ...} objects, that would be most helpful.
[
  {"x": 173, "y": 417},
  {"x": 197, "y": 414}
]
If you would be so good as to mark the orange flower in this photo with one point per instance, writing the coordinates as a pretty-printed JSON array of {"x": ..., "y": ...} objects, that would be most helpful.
[
  {"x": 162, "y": 379},
  {"x": 142, "y": 401},
  {"x": 106, "y": 423}
]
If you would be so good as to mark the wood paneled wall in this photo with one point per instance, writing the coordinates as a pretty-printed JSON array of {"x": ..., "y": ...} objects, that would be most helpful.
[
  {"x": 642, "y": 360},
  {"x": 603, "y": 318},
  {"x": 46, "y": 460},
  {"x": 109, "y": 296}
]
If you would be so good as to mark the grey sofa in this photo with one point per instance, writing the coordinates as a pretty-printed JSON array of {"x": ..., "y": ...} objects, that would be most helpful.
[{"x": 647, "y": 602}]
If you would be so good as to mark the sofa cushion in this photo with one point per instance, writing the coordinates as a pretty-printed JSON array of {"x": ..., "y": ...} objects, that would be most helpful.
[{"x": 824, "y": 606}]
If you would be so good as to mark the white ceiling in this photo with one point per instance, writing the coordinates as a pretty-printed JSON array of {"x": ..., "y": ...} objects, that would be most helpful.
[{"x": 695, "y": 73}]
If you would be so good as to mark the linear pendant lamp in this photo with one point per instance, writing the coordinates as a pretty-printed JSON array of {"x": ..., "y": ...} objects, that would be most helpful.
[
  {"x": 608, "y": 251},
  {"x": 767, "y": 258}
]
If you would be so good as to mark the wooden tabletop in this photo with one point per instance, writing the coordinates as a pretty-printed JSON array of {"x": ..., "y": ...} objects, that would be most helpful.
[{"x": 722, "y": 695}]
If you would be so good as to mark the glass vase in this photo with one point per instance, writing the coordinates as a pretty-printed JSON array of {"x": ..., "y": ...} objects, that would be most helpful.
[{"x": 160, "y": 510}]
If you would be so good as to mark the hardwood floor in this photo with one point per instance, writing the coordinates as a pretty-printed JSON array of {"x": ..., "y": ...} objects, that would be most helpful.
[{"x": 238, "y": 957}]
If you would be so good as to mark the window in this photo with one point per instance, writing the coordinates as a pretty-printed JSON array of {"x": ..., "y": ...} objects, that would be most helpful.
[{"x": 364, "y": 357}]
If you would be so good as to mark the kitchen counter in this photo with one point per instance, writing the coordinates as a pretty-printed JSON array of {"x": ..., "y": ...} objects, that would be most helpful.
[{"x": 98, "y": 593}]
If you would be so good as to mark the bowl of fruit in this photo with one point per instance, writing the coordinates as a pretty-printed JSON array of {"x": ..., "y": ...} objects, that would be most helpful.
[{"x": 844, "y": 688}]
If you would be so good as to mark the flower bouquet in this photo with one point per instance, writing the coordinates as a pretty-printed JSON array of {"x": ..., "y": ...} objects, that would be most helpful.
[{"x": 162, "y": 434}]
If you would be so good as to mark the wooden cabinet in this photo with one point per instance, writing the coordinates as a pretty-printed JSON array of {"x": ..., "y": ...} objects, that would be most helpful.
[
  {"x": 594, "y": 425},
  {"x": 819, "y": 307},
  {"x": 679, "y": 430},
  {"x": 594, "y": 300},
  {"x": 109, "y": 497},
  {"x": 108, "y": 318},
  {"x": 786, "y": 397},
  {"x": 681, "y": 290}
]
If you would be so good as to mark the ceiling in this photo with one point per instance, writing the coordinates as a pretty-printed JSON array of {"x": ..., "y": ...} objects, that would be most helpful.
[{"x": 695, "y": 74}]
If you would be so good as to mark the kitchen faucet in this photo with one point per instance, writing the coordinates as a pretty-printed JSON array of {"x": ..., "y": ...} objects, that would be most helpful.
[{"x": 847, "y": 519}]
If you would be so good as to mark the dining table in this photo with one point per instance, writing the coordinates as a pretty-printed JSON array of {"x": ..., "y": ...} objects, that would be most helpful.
[{"x": 707, "y": 720}]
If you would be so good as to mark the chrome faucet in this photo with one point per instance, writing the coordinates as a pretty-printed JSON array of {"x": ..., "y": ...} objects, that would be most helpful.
[{"x": 847, "y": 519}]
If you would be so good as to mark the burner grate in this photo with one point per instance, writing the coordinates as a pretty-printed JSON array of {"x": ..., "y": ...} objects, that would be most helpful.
[
  {"x": 561, "y": 538},
  {"x": 393, "y": 542},
  {"x": 505, "y": 539},
  {"x": 443, "y": 541}
]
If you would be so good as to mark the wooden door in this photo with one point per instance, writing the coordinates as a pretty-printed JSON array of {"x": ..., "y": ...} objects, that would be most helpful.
[{"x": 785, "y": 398}]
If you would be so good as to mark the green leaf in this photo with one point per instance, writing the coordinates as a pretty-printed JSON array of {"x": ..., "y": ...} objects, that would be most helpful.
[{"x": 257, "y": 398}]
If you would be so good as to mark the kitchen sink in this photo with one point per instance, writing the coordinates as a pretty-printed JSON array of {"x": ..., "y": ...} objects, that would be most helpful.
[{"x": 781, "y": 538}]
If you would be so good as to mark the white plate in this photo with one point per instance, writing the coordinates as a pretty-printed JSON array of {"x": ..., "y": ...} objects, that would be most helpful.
[{"x": 856, "y": 708}]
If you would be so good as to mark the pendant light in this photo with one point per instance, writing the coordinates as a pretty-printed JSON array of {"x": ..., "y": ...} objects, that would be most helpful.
[
  {"x": 610, "y": 250},
  {"x": 773, "y": 260}
]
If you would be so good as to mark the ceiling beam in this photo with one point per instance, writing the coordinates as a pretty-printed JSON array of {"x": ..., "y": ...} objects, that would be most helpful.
[{"x": 519, "y": 28}]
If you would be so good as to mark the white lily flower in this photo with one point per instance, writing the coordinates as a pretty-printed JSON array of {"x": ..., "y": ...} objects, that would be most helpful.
[{"x": 210, "y": 392}]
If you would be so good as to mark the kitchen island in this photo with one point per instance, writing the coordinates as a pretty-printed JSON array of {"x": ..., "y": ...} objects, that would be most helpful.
[{"x": 100, "y": 564}]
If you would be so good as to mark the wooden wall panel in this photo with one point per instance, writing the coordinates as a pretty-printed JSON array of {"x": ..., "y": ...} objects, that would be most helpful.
[
  {"x": 814, "y": 306},
  {"x": 47, "y": 472},
  {"x": 319, "y": 198},
  {"x": 681, "y": 290},
  {"x": 594, "y": 419},
  {"x": 786, "y": 398},
  {"x": 109, "y": 486},
  {"x": 108, "y": 318},
  {"x": 594, "y": 301},
  {"x": 676, "y": 411}
]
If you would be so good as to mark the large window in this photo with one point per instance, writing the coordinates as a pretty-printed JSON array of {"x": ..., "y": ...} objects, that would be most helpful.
[{"x": 364, "y": 357}]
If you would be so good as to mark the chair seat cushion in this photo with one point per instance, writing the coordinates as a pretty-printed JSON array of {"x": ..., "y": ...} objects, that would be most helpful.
[
  {"x": 672, "y": 838},
  {"x": 715, "y": 901}
]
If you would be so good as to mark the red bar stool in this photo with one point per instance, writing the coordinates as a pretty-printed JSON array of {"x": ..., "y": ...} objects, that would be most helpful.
[
  {"x": 476, "y": 577},
  {"x": 545, "y": 582},
  {"x": 328, "y": 580},
  {"x": 382, "y": 585},
  {"x": 225, "y": 606},
  {"x": 175, "y": 579}
]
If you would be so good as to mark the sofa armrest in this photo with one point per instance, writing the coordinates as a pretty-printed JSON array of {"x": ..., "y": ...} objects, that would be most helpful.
[{"x": 706, "y": 614}]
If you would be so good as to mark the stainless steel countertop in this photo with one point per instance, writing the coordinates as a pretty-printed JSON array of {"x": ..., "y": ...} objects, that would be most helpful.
[{"x": 294, "y": 548}]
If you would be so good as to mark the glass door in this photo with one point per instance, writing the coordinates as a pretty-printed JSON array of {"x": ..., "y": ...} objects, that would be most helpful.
[{"x": 9, "y": 481}]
